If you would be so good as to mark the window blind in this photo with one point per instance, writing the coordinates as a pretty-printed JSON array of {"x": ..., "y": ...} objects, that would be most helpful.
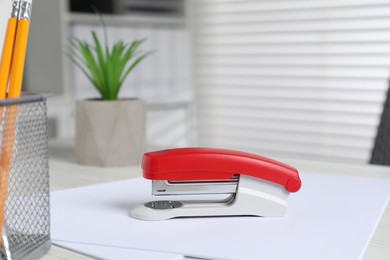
[{"x": 303, "y": 79}]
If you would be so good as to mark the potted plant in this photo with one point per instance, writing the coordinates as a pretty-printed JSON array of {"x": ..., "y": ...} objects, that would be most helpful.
[{"x": 109, "y": 131}]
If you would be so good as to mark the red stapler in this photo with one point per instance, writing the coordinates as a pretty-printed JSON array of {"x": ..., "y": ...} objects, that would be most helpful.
[{"x": 254, "y": 185}]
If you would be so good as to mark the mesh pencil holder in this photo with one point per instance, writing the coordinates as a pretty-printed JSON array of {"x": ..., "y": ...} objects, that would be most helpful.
[{"x": 24, "y": 179}]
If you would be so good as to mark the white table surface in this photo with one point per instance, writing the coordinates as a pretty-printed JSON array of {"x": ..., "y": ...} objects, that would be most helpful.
[{"x": 65, "y": 173}]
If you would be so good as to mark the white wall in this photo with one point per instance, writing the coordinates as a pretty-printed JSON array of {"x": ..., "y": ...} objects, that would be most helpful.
[{"x": 5, "y": 7}]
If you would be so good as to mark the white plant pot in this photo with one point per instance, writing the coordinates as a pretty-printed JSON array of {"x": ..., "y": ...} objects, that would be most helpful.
[{"x": 110, "y": 133}]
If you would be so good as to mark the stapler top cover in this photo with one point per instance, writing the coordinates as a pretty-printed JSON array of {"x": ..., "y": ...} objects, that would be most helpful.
[{"x": 182, "y": 164}]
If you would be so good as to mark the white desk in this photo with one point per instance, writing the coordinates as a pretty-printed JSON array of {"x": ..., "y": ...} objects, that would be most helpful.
[{"x": 64, "y": 173}]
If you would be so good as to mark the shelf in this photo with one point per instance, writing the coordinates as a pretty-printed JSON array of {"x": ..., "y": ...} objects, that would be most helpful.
[
  {"x": 125, "y": 20},
  {"x": 162, "y": 82}
]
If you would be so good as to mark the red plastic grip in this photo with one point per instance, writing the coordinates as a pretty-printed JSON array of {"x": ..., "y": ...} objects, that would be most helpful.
[{"x": 214, "y": 164}]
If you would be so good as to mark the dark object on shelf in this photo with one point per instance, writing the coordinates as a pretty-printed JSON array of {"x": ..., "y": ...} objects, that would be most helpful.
[
  {"x": 172, "y": 7},
  {"x": 154, "y": 7},
  {"x": 85, "y": 6}
]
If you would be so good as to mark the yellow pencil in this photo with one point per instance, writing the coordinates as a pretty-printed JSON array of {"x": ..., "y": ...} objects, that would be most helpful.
[
  {"x": 5, "y": 65},
  {"x": 15, "y": 87},
  {"x": 19, "y": 54}
]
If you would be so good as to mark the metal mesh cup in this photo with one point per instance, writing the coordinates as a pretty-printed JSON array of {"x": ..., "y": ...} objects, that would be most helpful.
[{"x": 24, "y": 178}]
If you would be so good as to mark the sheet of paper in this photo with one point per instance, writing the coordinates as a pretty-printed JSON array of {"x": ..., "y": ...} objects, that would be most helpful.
[
  {"x": 331, "y": 217},
  {"x": 116, "y": 253}
]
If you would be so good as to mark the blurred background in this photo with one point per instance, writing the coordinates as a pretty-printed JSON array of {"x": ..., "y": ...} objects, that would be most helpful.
[{"x": 297, "y": 79}]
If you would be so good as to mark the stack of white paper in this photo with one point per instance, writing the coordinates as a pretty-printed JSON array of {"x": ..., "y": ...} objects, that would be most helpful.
[
  {"x": 106, "y": 252},
  {"x": 331, "y": 217}
]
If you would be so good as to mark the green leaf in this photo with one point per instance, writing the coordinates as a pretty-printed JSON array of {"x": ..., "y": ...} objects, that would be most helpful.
[
  {"x": 91, "y": 63},
  {"x": 117, "y": 69},
  {"x": 99, "y": 50},
  {"x": 78, "y": 64},
  {"x": 132, "y": 66}
]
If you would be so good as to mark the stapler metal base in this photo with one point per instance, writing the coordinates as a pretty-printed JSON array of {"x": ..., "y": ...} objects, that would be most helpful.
[{"x": 253, "y": 197}]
